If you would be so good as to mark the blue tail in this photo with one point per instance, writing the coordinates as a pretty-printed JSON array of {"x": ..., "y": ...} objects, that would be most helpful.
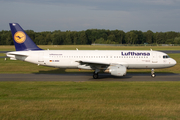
[{"x": 21, "y": 40}]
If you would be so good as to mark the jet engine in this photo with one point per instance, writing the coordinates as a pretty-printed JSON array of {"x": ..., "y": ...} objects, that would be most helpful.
[{"x": 117, "y": 70}]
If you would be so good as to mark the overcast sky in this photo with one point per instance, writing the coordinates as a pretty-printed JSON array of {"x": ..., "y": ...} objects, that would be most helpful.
[{"x": 77, "y": 15}]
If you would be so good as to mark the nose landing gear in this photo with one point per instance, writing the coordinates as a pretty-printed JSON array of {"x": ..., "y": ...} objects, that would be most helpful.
[{"x": 153, "y": 73}]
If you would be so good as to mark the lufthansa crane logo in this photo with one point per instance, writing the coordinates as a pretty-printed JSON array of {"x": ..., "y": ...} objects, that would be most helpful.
[{"x": 19, "y": 37}]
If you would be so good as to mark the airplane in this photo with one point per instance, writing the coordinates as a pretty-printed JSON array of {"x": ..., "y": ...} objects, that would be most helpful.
[{"x": 115, "y": 62}]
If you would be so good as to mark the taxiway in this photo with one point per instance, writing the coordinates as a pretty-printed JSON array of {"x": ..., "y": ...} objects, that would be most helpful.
[{"x": 75, "y": 77}]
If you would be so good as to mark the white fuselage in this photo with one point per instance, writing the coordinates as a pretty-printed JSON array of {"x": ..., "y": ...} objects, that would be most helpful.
[{"x": 69, "y": 58}]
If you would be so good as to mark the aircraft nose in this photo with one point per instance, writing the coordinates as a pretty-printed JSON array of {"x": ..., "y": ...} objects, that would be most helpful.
[{"x": 173, "y": 62}]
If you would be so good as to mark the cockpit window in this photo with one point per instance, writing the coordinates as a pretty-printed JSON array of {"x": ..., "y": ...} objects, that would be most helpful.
[{"x": 165, "y": 56}]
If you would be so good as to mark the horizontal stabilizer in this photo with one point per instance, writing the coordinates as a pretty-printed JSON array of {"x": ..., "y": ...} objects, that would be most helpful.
[{"x": 17, "y": 53}]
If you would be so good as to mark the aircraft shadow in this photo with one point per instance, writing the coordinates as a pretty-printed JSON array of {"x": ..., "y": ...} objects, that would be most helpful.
[
  {"x": 102, "y": 76},
  {"x": 56, "y": 71},
  {"x": 63, "y": 71}
]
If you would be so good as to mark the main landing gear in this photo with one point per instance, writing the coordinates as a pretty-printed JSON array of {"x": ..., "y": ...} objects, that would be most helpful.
[
  {"x": 95, "y": 74},
  {"x": 153, "y": 73}
]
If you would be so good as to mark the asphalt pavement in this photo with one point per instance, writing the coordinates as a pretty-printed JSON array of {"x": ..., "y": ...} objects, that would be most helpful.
[{"x": 88, "y": 77}]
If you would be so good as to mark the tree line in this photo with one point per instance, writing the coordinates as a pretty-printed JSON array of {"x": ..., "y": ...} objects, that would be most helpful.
[{"x": 99, "y": 36}]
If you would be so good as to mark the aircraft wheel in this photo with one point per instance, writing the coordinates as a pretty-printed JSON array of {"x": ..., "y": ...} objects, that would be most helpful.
[
  {"x": 153, "y": 75},
  {"x": 95, "y": 75}
]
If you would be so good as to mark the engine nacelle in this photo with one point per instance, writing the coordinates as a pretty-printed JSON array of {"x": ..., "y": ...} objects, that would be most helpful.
[{"x": 117, "y": 70}]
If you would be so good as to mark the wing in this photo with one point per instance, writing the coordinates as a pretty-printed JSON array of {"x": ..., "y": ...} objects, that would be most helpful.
[
  {"x": 101, "y": 65},
  {"x": 93, "y": 62},
  {"x": 93, "y": 65}
]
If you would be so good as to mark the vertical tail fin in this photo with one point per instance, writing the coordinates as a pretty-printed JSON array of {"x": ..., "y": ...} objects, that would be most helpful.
[{"x": 21, "y": 40}]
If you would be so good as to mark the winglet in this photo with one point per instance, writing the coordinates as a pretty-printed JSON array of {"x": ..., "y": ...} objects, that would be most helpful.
[{"x": 21, "y": 40}]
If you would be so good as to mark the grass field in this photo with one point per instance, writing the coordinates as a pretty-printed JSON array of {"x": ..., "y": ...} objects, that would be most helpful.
[{"x": 89, "y": 100}]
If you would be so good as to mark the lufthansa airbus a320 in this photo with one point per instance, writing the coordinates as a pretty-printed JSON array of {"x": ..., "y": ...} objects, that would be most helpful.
[{"x": 115, "y": 62}]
